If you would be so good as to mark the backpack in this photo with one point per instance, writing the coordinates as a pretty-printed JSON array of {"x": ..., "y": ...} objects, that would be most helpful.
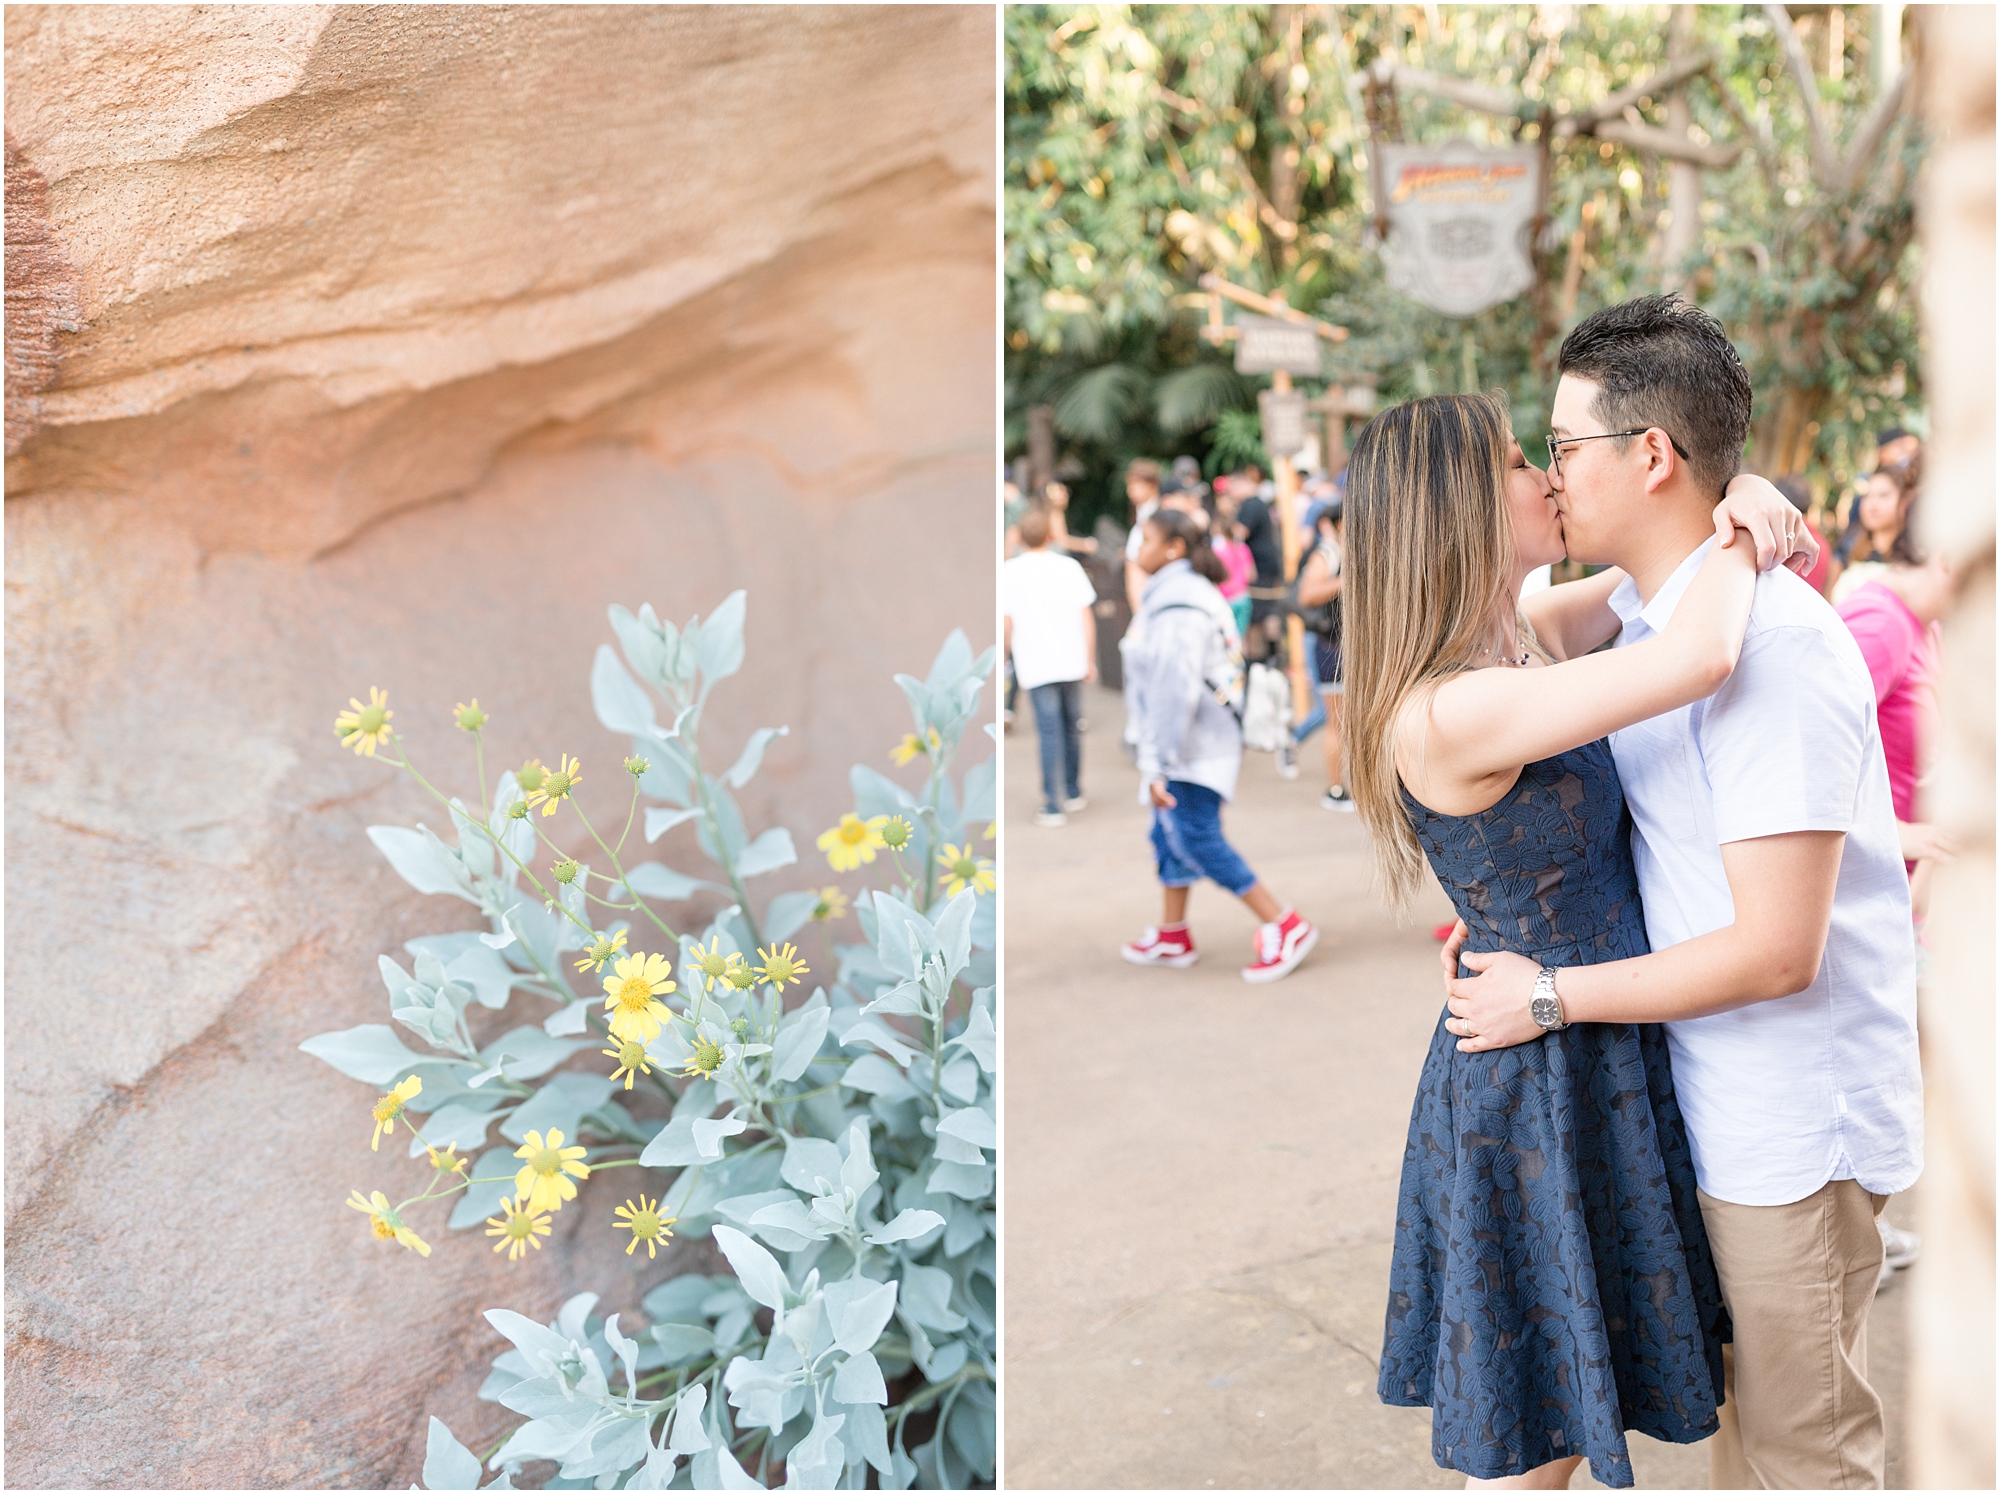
[
  {"x": 1267, "y": 718},
  {"x": 1222, "y": 672}
]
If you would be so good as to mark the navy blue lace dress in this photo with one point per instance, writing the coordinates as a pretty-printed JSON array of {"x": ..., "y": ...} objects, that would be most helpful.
[{"x": 1551, "y": 1287}]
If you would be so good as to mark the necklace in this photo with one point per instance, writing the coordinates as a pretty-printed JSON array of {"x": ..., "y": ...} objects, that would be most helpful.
[{"x": 1510, "y": 660}]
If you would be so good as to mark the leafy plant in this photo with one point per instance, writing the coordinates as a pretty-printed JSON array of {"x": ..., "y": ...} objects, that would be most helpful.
[
  {"x": 837, "y": 1153},
  {"x": 1145, "y": 145}
]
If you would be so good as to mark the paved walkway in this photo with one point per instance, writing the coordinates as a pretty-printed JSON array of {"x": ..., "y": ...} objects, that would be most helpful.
[{"x": 1201, "y": 1174}]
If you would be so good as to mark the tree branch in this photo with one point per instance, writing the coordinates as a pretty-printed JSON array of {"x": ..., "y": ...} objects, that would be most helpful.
[
  {"x": 1766, "y": 148},
  {"x": 1869, "y": 137},
  {"x": 1651, "y": 86},
  {"x": 1666, "y": 143},
  {"x": 1461, "y": 91},
  {"x": 1884, "y": 188},
  {"x": 1826, "y": 166}
]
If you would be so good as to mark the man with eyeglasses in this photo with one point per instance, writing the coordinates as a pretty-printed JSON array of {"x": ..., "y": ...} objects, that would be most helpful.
[{"x": 1775, "y": 904}]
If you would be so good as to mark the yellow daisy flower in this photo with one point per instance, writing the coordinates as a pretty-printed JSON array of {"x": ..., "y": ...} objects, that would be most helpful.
[
  {"x": 390, "y": 1106},
  {"x": 605, "y": 949},
  {"x": 703, "y": 1059},
  {"x": 832, "y": 904},
  {"x": 741, "y": 978},
  {"x": 645, "y": 1223},
  {"x": 896, "y": 834},
  {"x": 365, "y": 727},
  {"x": 629, "y": 995},
  {"x": 530, "y": 775},
  {"x": 912, "y": 744},
  {"x": 470, "y": 717},
  {"x": 386, "y": 1222},
  {"x": 710, "y": 964},
  {"x": 781, "y": 964},
  {"x": 447, "y": 1160},
  {"x": 544, "y": 1179},
  {"x": 631, "y": 1056},
  {"x": 517, "y": 1228},
  {"x": 853, "y": 841},
  {"x": 963, "y": 870},
  {"x": 555, "y": 785}
]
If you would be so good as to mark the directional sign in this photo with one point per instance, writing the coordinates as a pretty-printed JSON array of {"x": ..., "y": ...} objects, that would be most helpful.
[
  {"x": 1284, "y": 418},
  {"x": 1266, "y": 345}
]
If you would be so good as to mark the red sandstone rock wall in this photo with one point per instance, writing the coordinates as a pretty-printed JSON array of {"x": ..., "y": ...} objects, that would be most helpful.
[{"x": 405, "y": 340}]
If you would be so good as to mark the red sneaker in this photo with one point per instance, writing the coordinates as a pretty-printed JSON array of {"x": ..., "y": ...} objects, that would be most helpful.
[
  {"x": 1172, "y": 947},
  {"x": 1443, "y": 931},
  {"x": 1280, "y": 946}
]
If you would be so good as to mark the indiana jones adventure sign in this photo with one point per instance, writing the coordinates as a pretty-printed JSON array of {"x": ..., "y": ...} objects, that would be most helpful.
[{"x": 1459, "y": 216}]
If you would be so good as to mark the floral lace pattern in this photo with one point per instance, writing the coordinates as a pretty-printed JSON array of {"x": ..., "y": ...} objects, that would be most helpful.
[{"x": 1551, "y": 1287}]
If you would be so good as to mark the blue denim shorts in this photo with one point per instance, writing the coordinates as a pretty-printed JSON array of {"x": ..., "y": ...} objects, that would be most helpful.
[{"x": 1188, "y": 843}]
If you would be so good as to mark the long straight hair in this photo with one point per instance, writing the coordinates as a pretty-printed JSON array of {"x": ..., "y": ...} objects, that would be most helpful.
[{"x": 1430, "y": 550}]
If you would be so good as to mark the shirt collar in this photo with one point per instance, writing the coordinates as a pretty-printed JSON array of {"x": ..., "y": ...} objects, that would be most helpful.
[{"x": 1657, "y": 613}]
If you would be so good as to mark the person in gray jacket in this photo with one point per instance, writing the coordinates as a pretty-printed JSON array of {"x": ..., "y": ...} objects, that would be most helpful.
[{"x": 1184, "y": 697}]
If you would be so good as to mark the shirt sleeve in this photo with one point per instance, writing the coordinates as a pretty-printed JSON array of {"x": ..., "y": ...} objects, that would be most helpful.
[{"x": 1786, "y": 740}]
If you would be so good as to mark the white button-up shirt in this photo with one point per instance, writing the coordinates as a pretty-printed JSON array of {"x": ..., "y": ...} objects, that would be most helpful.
[{"x": 1782, "y": 1096}]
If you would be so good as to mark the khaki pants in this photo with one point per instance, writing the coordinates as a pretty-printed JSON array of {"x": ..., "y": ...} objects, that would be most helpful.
[{"x": 1798, "y": 1280}]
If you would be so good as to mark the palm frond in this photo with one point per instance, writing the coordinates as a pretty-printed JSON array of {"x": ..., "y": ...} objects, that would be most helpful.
[
  {"x": 1189, "y": 399},
  {"x": 1099, "y": 402}
]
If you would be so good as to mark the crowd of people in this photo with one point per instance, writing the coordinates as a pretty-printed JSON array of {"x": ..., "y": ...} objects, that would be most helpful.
[
  {"x": 1868, "y": 565},
  {"x": 1690, "y": 875},
  {"x": 1203, "y": 578}
]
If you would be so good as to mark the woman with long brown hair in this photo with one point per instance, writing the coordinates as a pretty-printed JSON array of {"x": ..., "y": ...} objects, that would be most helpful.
[{"x": 1551, "y": 1287}]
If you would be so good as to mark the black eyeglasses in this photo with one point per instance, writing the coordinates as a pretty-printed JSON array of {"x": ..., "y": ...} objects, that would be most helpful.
[{"x": 1557, "y": 443}]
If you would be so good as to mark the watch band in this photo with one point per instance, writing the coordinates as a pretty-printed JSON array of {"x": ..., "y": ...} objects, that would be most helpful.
[{"x": 1545, "y": 1006}]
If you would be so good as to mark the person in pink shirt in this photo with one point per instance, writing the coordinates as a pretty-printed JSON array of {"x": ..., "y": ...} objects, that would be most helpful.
[
  {"x": 1894, "y": 619},
  {"x": 1237, "y": 561}
]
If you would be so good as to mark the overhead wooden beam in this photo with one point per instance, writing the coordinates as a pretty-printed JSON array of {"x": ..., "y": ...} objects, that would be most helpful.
[{"x": 1268, "y": 305}]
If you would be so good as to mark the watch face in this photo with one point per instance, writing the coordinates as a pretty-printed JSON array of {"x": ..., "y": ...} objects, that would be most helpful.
[{"x": 1545, "y": 1011}]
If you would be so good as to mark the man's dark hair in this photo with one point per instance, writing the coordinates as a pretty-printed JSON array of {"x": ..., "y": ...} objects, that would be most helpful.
[
  {"x": 1659, "y": 361},
  {"x": 1143, "y": 469},
  {"x": 1893, "y": 433}
]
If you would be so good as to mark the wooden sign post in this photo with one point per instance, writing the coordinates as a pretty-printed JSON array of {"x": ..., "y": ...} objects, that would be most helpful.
[{"x": 1287, "y": 344}]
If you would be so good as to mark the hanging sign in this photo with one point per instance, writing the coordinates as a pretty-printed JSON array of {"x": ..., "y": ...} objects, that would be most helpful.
[
  {"x": 1284, "y": 417},
  {"x": 1459, "y": 217},
  {"x": 1264, "y": 344}
]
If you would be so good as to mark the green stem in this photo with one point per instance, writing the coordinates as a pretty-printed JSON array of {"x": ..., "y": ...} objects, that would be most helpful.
[
  {"x": 930, "y": 868},
  {"x": 721, "y": 848},
  {"x": 637, "y": 901},
  {"x": 629, "y": 813},
  {"x": 930, "y": 1393}
]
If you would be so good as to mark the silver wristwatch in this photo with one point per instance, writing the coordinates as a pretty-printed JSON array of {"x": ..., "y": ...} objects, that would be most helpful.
[{"x": 1545, "y": 1006}]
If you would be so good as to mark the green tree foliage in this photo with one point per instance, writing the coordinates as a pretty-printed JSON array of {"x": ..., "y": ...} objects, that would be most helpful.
[{"x": 1146, "y": 145}]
